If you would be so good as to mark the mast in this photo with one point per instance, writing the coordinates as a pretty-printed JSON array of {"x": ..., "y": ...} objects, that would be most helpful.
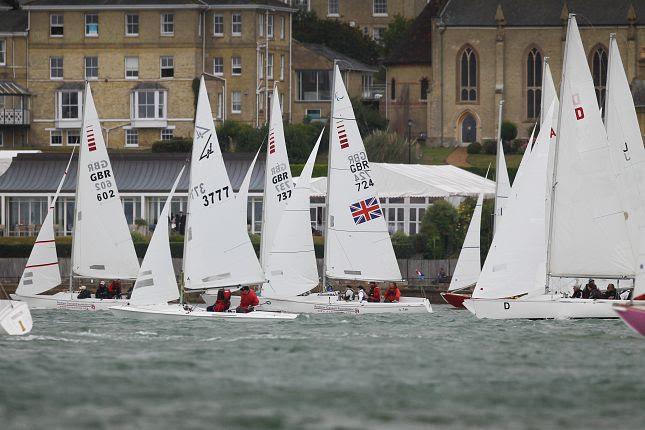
[
  {"x": 497, "y": 157},
  {"x": 542, "y": 113},
  {"x": 605, "y": 111}
]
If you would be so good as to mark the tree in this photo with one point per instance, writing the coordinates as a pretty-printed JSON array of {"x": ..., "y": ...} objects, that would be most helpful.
[
  {"x": 438, "y": 230},
  {"x": 368, "y": 119},
  {"x": 394, "y": 34},
  {"x": 384, "y": 147}
]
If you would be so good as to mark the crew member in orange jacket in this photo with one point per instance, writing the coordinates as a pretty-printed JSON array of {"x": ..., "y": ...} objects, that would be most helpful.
[
  {"x": 248, "y": 300},
  {"x": 223, "y": 301},
  {"x": 392, "y": 294},
  {"x": 374, "y": 294}
]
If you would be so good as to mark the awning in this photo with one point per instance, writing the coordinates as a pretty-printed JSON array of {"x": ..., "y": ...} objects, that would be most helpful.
[{"x": 10, "y": 88}]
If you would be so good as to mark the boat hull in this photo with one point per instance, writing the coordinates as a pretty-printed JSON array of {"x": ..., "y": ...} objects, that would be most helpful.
[
  {"x": 455, "y": 299},
  {"x": 633, "y": 315},
  {"x": 179, "y": 312},
  {"x": 68, "y": 301},
  {"x": 543, "y": 307},
  {"x": 15, "y": 318},
  {"x": 326, "y": 304}
]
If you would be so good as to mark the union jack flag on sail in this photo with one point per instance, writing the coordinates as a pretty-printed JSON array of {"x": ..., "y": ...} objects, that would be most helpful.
[{"x": 366, "y": 210}]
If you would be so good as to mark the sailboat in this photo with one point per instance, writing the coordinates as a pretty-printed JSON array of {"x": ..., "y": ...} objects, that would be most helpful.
[
  {"x": 15, "y": 318},
  {"x": 101, "y": 242}
]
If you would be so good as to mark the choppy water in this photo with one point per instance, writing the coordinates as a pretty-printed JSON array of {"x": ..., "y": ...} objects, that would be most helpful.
[{"x": 446, "y": 371}]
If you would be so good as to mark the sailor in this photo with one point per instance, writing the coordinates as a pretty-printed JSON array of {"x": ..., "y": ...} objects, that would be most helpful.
[
  {"x": 595, "y": 292},
  {"x": 102, "y": 291},
  {"x": 248, "y": 300},
  {"x": 586, "y": 292},
  {"x": 115, "y": 289},
  {"x": 362, "y": 295},
  {"x": 223, "y": 302},
  {"x": 349, "y": 293},
  {"x": 392, "y": 294},
  {"x": 84, "y": 293},
  {"x": 577, "y": 292},
  {"x": 374, "y": 293},
  {"x": 611, "y": 293}
]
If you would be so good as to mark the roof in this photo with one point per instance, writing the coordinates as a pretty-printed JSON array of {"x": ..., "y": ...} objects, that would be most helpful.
[
  {"x": 13, "y": 21},
  {"x": 10, "y": 88},
  {"x": 345, "y": 62},
  {"x": 134, "y": 172},
  {"x": 542, "y": 13},
  {"x": 110, "y": 4},
  {"x": 250, "y": 4},
  {"x": 414, "y": 47},
  {"x": 419, "y": 180},
  {"x": 149, "y": 86}
]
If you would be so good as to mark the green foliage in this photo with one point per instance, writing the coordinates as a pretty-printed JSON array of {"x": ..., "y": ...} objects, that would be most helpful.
[
  {"x": 368, "y": 119},
  {"x": 140, "y": 222},
  {"x": 394, "y": 34},
  {"x": 438, "y": 230},
  {"x": 138, "y": 237},
  {"x": 335, "y": 34},
  {"x": 474, "y": 148},
  {"x": 382, "y": 146},
  {"x": 177, "y": 144},
  {"x": 464, "y": 214},
  {"x": 403, "y": 245},
  {"x": 300, "y": 139},
  {"x": 486, "y": 235},
  {"x": 319, "y": 170},
  {"x": 509, "y": 131},
  {"x": 226, "y": 132},
  {"x": 490, "y": 147}
]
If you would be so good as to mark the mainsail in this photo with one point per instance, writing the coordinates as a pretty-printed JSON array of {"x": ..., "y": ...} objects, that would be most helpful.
[
  {"x": 243, "y": 193},
  {"x": 156, "y": 282},
  {"x": 291, "y": 266},
  {"x": 358, "y": 244},
  {"x": 503, "y": 186},
  {"x": 468, "y": 265},
  {"x": 549, "y": 95},
  {"x": 102, "y": 244},
  {"x": 217, "y": 251},
  {"x": 588, "y": 229}
]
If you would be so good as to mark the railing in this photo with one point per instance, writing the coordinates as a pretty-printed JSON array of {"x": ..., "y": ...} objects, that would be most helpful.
[
  {"x": 373, "y": 92},
  {"x": 15, "y": 117}
]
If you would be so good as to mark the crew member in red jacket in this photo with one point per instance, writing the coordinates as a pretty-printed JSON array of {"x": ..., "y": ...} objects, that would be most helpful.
[
  {"x": 392, "y": 294},
  {"x": 223, "y": 301},
  {"x": 374, "y": 294},
  {"x": 248, "y": 300}
]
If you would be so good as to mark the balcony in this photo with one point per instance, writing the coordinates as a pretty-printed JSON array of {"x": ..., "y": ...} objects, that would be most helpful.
[
  {"x": 14, "y": 104},
  {"x": 15, "y": 117}
]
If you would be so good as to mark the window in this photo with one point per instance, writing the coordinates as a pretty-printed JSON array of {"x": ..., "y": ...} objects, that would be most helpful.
[
  {"x": 167, "y": 24},
  {"x": 282, "y": 67},
  {"x": 218, "y": 66},
  {"x": 270, "y": 26},
  {"x": 149, "y": 104},
  {"x": 236, "y": 24},
  {"x": 314, "y": 85},
  {"x": 599, "y": 73},
  {"x": 3, "y": 52},
  {"x": 270, "y": 67},
  {"x": 425, "y": 85},
  {"x": 220, "y": 105},
  {"x": 416, "y": 216},
  {"x": 313, "y": 113},
  {"x": 366, "y": 31},
  {"x": 218, "y": 25},
  {"x": 236, "y": 102},
  {"x": 533, "y": 83},
  {"x": 167, "y": 134},
  {"x": 132, "y": 67},
  {"x": 55, "y": 138},
  {"x": 378, "y": 33},
  {"x": 91, "y": 67},
  {"x": 366, "y": 84},
  {"x": 56, "y": 25},
  {"x": 236, "y": 66},
  {"x": 282, "y": 30},
  {"x": 91, "y": 25},
  {"x": 393, "y": 89},
  {"x": 73, "y": 137},
  {"x": 380, "y": 7},
  {"x": 70, "y": 104},
  {"x": 261, "y": 19},
  {"x": 394, "y": 210},
  {"x": 1, "y": 138},
  {"x": 167, "y": 67},
  {"x": 56, "y": 67},
  {"x": 132, "y": 24},
  {"x": 332, "y": 7},
  {"x": 468, "y": 75},
  {"x": 132, "y": 137}
]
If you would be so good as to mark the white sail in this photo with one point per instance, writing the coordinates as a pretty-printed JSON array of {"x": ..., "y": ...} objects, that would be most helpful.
[
  {"x": 503, "y": 189},
  {"x": 102, "y": 245},
  {"x": 588, "y": 235},
  {"x": 291, "y": 267},
  {"x": 358, "y": 244},
  {"x": 468, "y": 265},
  {"x": 520, "y": 169},
  {"x": 217, "y": 251},
  {"x": 42, "y": 271},
  {"x": 278, "y": 184},
  {"x": 156, "y": 282},
  {"x": 515, "y": 262},
  {"x": 242, "y": 195},
  {"x": 628, "y": 155},
  {"x": 549, "y": 95}
]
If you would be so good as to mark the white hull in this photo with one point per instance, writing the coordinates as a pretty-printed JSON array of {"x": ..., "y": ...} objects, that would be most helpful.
[
  {"x": 543, "y": 307},
  {"x": 175, "y": 312},
  {"x": 68, "y": 301},
  {"x": 15, "y": 318},
  {"x": 326, "y": 304}
]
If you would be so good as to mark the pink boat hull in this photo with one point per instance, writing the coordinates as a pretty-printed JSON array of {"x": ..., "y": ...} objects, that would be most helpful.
[{"x": 633, "y": 316}]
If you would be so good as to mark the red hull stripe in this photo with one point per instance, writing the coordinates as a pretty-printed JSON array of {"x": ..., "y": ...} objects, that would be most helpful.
[{"x": 41, "y": 265}]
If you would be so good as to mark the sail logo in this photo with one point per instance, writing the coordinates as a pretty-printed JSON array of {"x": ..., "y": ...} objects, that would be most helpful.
[
  {"x": 579, "y": 111},
  {"x": 91, "y": 142},
  {"x": 342, "y": 135},
  {"x": 271, "y": 142},
  {"x": 366, "y": 210}
]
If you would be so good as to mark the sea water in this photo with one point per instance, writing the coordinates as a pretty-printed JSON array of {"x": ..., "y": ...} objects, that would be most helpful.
[{"x": 445, "y": 370}]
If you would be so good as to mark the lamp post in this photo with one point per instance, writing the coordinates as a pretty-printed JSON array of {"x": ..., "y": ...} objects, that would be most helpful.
[{"x": 409, "y": 141}]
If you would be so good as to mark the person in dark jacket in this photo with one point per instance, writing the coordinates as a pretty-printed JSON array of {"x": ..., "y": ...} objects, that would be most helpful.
[
  {"x": 115, "y": 289},
  {"x": 102, "y": 291},
  {"x": 84, "y": 293},
  {"x": 595, "y": 292},
  {"x": 374, "y": 294},
  {"x": 248, "y": 300},
  {"x": 611, "y": 293},
  {"x": 577, "y": 292},
  {"x": 586, "y": 292}
]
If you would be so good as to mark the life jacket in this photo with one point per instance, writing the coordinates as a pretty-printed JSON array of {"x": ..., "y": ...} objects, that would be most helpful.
[
  {"x": 223, "y": 304},
  {"x": 392, "y": 294},
  {"x": 376, "y": 294},
  {"x": 249, "y": 298}
]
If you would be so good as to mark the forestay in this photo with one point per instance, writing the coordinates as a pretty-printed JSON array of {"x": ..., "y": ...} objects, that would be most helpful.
[
  {"x": 468, "y": 265},
  {"x": 278, "y": 184},
  {"x": 291, "y": 267},
  {"x": 218, "y": 251},
  {"x": 628, "y": 156},
  {"x": 358, "y": 243},
  {"x": 588, "y": 234},
  {"x": 102, "y": 244},
  {"x": 156, "y": 282},
  {"x": 42, "y": 271}
]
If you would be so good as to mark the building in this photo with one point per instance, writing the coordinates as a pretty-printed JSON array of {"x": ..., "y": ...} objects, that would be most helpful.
[{"x": 485, "y": 51}]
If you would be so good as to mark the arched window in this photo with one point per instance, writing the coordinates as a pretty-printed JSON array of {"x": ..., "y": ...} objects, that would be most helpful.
[
  {"x": 468, "y": 128},
  {"x": 533, "y": 83},
  {"x": 468, "y": 75},
  {"x": 393, "y": 89},
  {"x": 424, "y": 89},
  {"x": 599, "y": 73}
]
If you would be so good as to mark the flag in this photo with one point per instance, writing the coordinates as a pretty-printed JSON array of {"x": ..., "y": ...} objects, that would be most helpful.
[
  {"x": 366, "y": 210},
  {"x": 420, "y": 274}
]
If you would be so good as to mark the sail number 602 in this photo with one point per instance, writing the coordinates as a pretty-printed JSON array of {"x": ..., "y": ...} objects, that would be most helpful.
[
  {"x": 214, "y": 196},
  {"x": 105, "y": 195}
]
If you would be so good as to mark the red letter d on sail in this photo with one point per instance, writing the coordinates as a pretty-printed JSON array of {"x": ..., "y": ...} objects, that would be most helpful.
[{"x": 580, "y": 113}]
